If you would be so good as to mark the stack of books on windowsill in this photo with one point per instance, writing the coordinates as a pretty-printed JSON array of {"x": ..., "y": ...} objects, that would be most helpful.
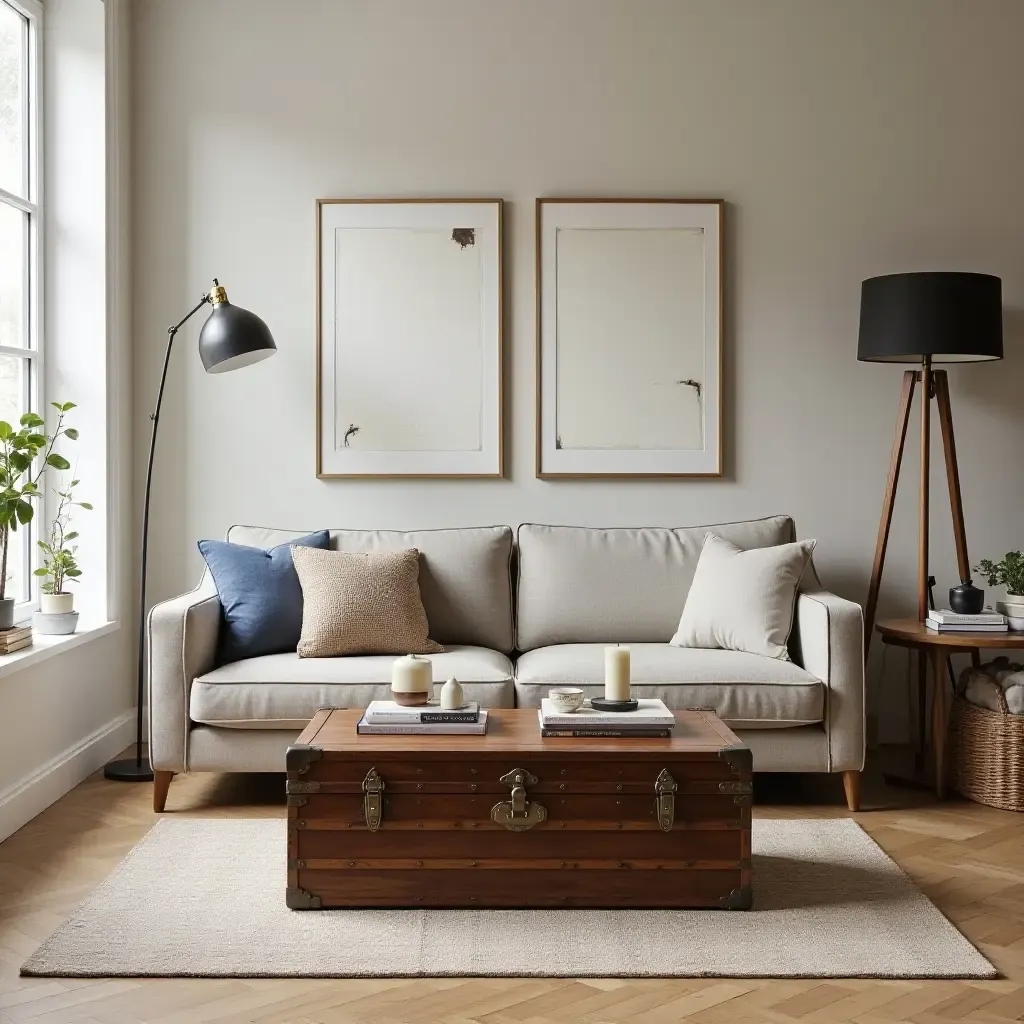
[
  {"x": 651, "y": 719},
  {"x": 386, "y": 718},
  {"x": 945, "y": 621},
  {"x": 15, "y": 638}
]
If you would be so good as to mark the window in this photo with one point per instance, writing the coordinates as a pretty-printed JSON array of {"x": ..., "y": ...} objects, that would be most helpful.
[{"x": 20, "y": 242}]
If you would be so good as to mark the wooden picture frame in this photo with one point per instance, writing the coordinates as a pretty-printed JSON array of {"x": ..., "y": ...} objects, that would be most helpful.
[
  {"x": 409, "y": 338},
  {"x": 629, "y": 338}
]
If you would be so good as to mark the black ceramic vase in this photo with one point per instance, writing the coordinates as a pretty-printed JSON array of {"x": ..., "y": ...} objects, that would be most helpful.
[{"x": 967, "y": 599}]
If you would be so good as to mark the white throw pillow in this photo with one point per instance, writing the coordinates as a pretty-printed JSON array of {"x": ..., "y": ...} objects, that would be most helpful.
[{"x": 743, "y": 600}]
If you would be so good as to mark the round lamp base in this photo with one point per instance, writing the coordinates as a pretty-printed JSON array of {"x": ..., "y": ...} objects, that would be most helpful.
[{"x": 128, "y": 770}]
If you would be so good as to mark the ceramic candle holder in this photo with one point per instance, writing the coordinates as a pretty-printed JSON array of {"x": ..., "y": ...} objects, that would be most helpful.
[{"x": 412, "y": 680}]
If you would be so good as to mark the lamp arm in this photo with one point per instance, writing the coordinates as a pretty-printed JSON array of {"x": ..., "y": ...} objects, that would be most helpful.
[{"x": 155, "y": 418}]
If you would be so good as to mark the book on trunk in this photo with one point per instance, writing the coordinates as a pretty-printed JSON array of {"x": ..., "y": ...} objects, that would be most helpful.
[
  {"x": 609, "y": 733},
  {"x": 478, "y": 728},
  {"x": 650, "y": 714},
  {"x": 388, "y": 712}
]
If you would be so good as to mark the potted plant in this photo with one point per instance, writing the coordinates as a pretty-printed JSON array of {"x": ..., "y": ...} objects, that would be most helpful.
[
  {"x": 25, "y": 454},
  {"x": 60, "y": 568},
  {"x": 1008, "y": 573}
]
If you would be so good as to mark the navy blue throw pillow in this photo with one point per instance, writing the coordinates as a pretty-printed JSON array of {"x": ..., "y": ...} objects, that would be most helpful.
[{"x": 260, "y": 596}]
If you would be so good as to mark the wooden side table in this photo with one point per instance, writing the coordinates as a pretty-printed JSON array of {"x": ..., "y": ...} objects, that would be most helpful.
[{"x": 934, "y": 649}]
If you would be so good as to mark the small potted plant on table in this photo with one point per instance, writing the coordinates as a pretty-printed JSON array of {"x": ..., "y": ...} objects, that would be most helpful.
[
  {"x": 56, "y": 614},
  {"x": 1007, "y": 573}
]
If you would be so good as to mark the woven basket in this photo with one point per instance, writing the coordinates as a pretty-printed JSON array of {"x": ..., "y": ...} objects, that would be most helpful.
[{"x": 986, "y": 751}]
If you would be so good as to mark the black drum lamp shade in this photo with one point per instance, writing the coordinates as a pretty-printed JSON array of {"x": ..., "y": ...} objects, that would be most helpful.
[{"x": 944, "y": 317}]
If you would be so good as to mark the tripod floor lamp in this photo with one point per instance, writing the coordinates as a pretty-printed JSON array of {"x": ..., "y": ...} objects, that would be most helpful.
[
  {"x": 231, "y": 338},
  {"x": 926, "y": 318}
]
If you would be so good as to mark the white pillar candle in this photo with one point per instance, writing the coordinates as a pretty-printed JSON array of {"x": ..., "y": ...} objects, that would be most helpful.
[{"x": 616, "y": 673}]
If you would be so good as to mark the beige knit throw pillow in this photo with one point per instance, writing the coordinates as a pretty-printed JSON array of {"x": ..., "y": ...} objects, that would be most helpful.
[{"x": 356, "y": 602}]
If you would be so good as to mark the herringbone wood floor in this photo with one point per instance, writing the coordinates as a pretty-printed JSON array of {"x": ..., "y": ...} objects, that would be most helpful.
[{"x": 969, "y": 859}]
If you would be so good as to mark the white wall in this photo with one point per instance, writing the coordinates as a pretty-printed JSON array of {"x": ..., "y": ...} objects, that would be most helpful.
[
  {"x": 64, "y": 717},
  {"x": 850, "y": 138}
]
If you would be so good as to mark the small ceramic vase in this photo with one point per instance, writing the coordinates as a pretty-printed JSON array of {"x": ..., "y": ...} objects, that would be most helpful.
[
  {"x": 967, "y": 599},
  {"x": 452, "y": 697}
]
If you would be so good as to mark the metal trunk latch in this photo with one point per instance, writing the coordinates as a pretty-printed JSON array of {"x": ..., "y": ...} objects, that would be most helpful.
[
  {"x": 665, "y": 787},
  {"x": 373, "y": 799},
  {"x": 518, "y": 814}
]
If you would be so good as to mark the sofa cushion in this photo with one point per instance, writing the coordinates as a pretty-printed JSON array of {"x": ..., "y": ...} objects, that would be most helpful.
[
  {"x": 746, "y": 690},
  {"x": 361, "y": 602},
  {"x": 284, "y": 691},
  {"x": 260, "y": 596},
  {"x": 740, "y": 600},
  {"x": 464, "y": 575},
  {"x": 580, "y": 585}
]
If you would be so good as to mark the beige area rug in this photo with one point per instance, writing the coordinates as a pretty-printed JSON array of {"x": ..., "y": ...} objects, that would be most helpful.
[{"x": 205, "y": 898}]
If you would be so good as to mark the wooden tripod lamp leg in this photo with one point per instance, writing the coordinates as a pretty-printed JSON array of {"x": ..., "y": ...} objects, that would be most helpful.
[
  {"x": 923, "y": 509},
  {"x": 888, "y": 502},
  {"x": 956, "y": 504}
]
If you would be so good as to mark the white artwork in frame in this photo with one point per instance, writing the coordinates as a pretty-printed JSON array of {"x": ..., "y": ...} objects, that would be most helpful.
[
  {"x": 409, "y": 338},
  {"x": 629, "y": 321}
]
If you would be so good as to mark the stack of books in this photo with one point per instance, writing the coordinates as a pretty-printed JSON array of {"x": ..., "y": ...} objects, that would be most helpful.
[
  {"x": 386, "y": 718},
  {"x": 652, "y": 719},
  {"x": 15, "y": 638},
  {"x": 945, "y": 621}
]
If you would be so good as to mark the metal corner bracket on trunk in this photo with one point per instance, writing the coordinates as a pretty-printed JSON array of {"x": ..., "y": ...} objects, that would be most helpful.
[
  {"x": 300, "y": 899},
  {"x": 300, "y": 756}
]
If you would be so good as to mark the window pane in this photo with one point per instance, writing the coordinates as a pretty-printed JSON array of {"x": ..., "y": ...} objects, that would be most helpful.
[
  {"x": 13, "y": 228},
  {"x": 12, "y": 99},
  {"x": 14, "y": 389}
]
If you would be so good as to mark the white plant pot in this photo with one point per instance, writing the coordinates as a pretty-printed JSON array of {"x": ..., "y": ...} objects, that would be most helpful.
[
  {"x": 55, "y": 625},
  {"x": 56, "y": 604},
  {"x": 1013, "y": 609}
]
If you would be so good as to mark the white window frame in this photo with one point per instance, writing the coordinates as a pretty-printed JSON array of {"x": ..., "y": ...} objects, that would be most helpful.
[{"x": 31, "y": 204}]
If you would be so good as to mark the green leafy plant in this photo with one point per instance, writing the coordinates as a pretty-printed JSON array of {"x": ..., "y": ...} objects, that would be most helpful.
[
  {"x": 25, "y": 454},
  {"x": 1008, "y": 573},
  {"x": 59, "y": 564}
]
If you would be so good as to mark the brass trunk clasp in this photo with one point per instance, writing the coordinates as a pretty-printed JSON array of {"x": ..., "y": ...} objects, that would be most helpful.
[
  {"x": 518, "y": 814},
  {"x": 665, "y": 787},
  {"x": 373, "y": 799}
]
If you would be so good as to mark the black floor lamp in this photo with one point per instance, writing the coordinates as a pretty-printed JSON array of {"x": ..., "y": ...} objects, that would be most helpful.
[
  {"x": 926, "y": 318},
  {"x": 231, "y": 338}
]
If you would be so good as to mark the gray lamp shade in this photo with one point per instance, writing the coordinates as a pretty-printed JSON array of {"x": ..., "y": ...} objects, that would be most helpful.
[
  {"x": 951, "y": 317},
  {"x": 233, "y": 337}
]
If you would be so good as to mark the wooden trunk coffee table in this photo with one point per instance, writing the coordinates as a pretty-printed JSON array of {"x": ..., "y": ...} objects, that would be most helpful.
[{"x": 513, "y": 820}]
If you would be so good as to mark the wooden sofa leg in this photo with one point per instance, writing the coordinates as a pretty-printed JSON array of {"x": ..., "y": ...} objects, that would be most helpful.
[
  {"x": 161, "y": 783},
  {"x": 851, "y": 783}
]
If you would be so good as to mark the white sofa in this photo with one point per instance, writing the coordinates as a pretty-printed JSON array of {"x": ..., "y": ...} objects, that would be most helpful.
[{"x": 516, "y": 615}]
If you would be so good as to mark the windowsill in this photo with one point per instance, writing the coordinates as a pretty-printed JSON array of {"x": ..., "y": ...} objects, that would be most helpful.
[{"x": 44, "y": 647}]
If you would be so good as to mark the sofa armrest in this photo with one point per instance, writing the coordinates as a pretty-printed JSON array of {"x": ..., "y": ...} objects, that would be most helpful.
[
  {"x": 829, "y": 643},
  {"x": 182, "y": 638}
]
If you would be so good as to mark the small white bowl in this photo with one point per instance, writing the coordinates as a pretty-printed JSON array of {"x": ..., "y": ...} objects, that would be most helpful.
[{"x": 566, "y": 699}]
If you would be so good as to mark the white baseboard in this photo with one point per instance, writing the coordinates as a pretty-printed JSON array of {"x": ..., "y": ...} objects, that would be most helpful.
[{"x": 35, "y": 792}]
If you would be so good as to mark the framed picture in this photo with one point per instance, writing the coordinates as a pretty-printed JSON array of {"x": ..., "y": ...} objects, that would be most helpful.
[
  {"x": 629, "y": 337},
  {"x": 409, "y": 338}
]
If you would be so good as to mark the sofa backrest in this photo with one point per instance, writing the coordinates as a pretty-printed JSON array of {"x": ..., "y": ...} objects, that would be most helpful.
[
  {"x": 465, "y": 577},
  {"x": 581, "y": 585}
]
